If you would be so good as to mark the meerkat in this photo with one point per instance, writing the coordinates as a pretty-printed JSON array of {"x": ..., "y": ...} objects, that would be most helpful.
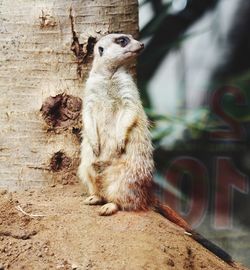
[{"x": 116, "y": 150}]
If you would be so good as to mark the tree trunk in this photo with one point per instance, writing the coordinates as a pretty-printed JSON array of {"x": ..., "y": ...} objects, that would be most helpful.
[{"x": 46, "y": 52}]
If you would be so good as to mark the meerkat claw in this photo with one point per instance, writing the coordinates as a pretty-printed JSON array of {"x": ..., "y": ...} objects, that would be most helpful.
[
  {"x": 108, "y": 209},
  {"x": 93, "y": 200}
]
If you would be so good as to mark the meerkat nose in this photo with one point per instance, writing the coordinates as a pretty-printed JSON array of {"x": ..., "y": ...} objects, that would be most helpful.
[{"x": 142, "y": 45}]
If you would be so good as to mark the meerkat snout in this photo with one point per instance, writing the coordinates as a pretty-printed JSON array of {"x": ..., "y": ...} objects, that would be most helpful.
[{"x": 141, "y": 47}]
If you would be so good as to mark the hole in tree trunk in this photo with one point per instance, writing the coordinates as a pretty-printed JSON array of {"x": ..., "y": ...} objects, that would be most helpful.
[
  {"x": 61, "y": 111},
  {"x": 59, "y": 162}
]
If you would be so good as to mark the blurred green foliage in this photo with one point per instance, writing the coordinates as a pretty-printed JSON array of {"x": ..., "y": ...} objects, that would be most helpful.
[{"x": 165, "y": 32}]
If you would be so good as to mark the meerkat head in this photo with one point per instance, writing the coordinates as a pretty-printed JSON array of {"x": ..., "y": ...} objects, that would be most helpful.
[{"x": 117, "y": 49}]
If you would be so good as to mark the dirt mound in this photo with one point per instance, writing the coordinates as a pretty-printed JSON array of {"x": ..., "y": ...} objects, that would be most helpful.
[{"x": 53, "y": 229}]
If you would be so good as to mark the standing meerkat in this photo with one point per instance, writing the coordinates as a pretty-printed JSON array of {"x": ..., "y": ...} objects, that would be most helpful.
[{"x": 116, "y": 150}]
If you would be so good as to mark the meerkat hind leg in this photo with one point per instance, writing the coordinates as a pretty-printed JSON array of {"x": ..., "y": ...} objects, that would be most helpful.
[
  {"x": 108, "y": 209},
  {"x": 93, "y": 200}
]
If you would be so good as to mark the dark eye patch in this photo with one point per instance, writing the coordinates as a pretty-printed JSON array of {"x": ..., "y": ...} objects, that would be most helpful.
[
  {"x": 100, "y": 49},
  {"x": 122, "y": 41}
]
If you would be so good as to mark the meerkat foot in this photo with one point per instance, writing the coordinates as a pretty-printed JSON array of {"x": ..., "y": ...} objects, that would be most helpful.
[
  {"x": 108, "y": 209},
  {"x": 93, "y": 200}
]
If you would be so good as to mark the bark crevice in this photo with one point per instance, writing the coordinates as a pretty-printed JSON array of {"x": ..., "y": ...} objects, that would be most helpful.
[
  {"x": 82, "y": 51},
  {"x": 47, "y": 21}
]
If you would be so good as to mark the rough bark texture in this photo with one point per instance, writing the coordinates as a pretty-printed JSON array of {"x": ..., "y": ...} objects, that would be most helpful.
[{"x": 45, "y": 55}]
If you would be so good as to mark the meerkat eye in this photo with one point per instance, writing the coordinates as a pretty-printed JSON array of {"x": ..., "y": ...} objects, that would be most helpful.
[
  {"x": 100, "y": 49},
  {"x": 122, "y": 41}
]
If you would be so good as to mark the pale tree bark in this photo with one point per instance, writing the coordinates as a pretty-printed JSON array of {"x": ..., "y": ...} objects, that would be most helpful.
[{"x": 45, "y": 55}]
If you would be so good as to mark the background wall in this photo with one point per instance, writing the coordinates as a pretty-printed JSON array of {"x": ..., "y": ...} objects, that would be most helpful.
[{"x": 194, "y": 77}]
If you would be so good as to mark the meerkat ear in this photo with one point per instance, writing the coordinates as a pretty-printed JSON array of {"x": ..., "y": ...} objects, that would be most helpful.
[{"x": 100, "y": 49}]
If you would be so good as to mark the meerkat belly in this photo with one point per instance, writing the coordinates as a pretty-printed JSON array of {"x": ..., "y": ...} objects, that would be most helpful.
[
  {"x": 106, "y": 118},
  {"x": 125, "y": 174}
]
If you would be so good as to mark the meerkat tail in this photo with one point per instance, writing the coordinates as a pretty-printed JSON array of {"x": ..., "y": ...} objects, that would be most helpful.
[
  {"x": 174, "y": 217},
  {"x": 219, "y": 252},
  {"x": 171, "y": 215}
]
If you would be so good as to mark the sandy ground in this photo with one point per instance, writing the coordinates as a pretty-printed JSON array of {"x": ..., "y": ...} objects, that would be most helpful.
[{"x": 71, "y": 235}]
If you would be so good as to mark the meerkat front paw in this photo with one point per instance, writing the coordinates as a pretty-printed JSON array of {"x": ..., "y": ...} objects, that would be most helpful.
[
  {"x": 108, "y": 209},
  {"x": 92, "y": 200}
]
